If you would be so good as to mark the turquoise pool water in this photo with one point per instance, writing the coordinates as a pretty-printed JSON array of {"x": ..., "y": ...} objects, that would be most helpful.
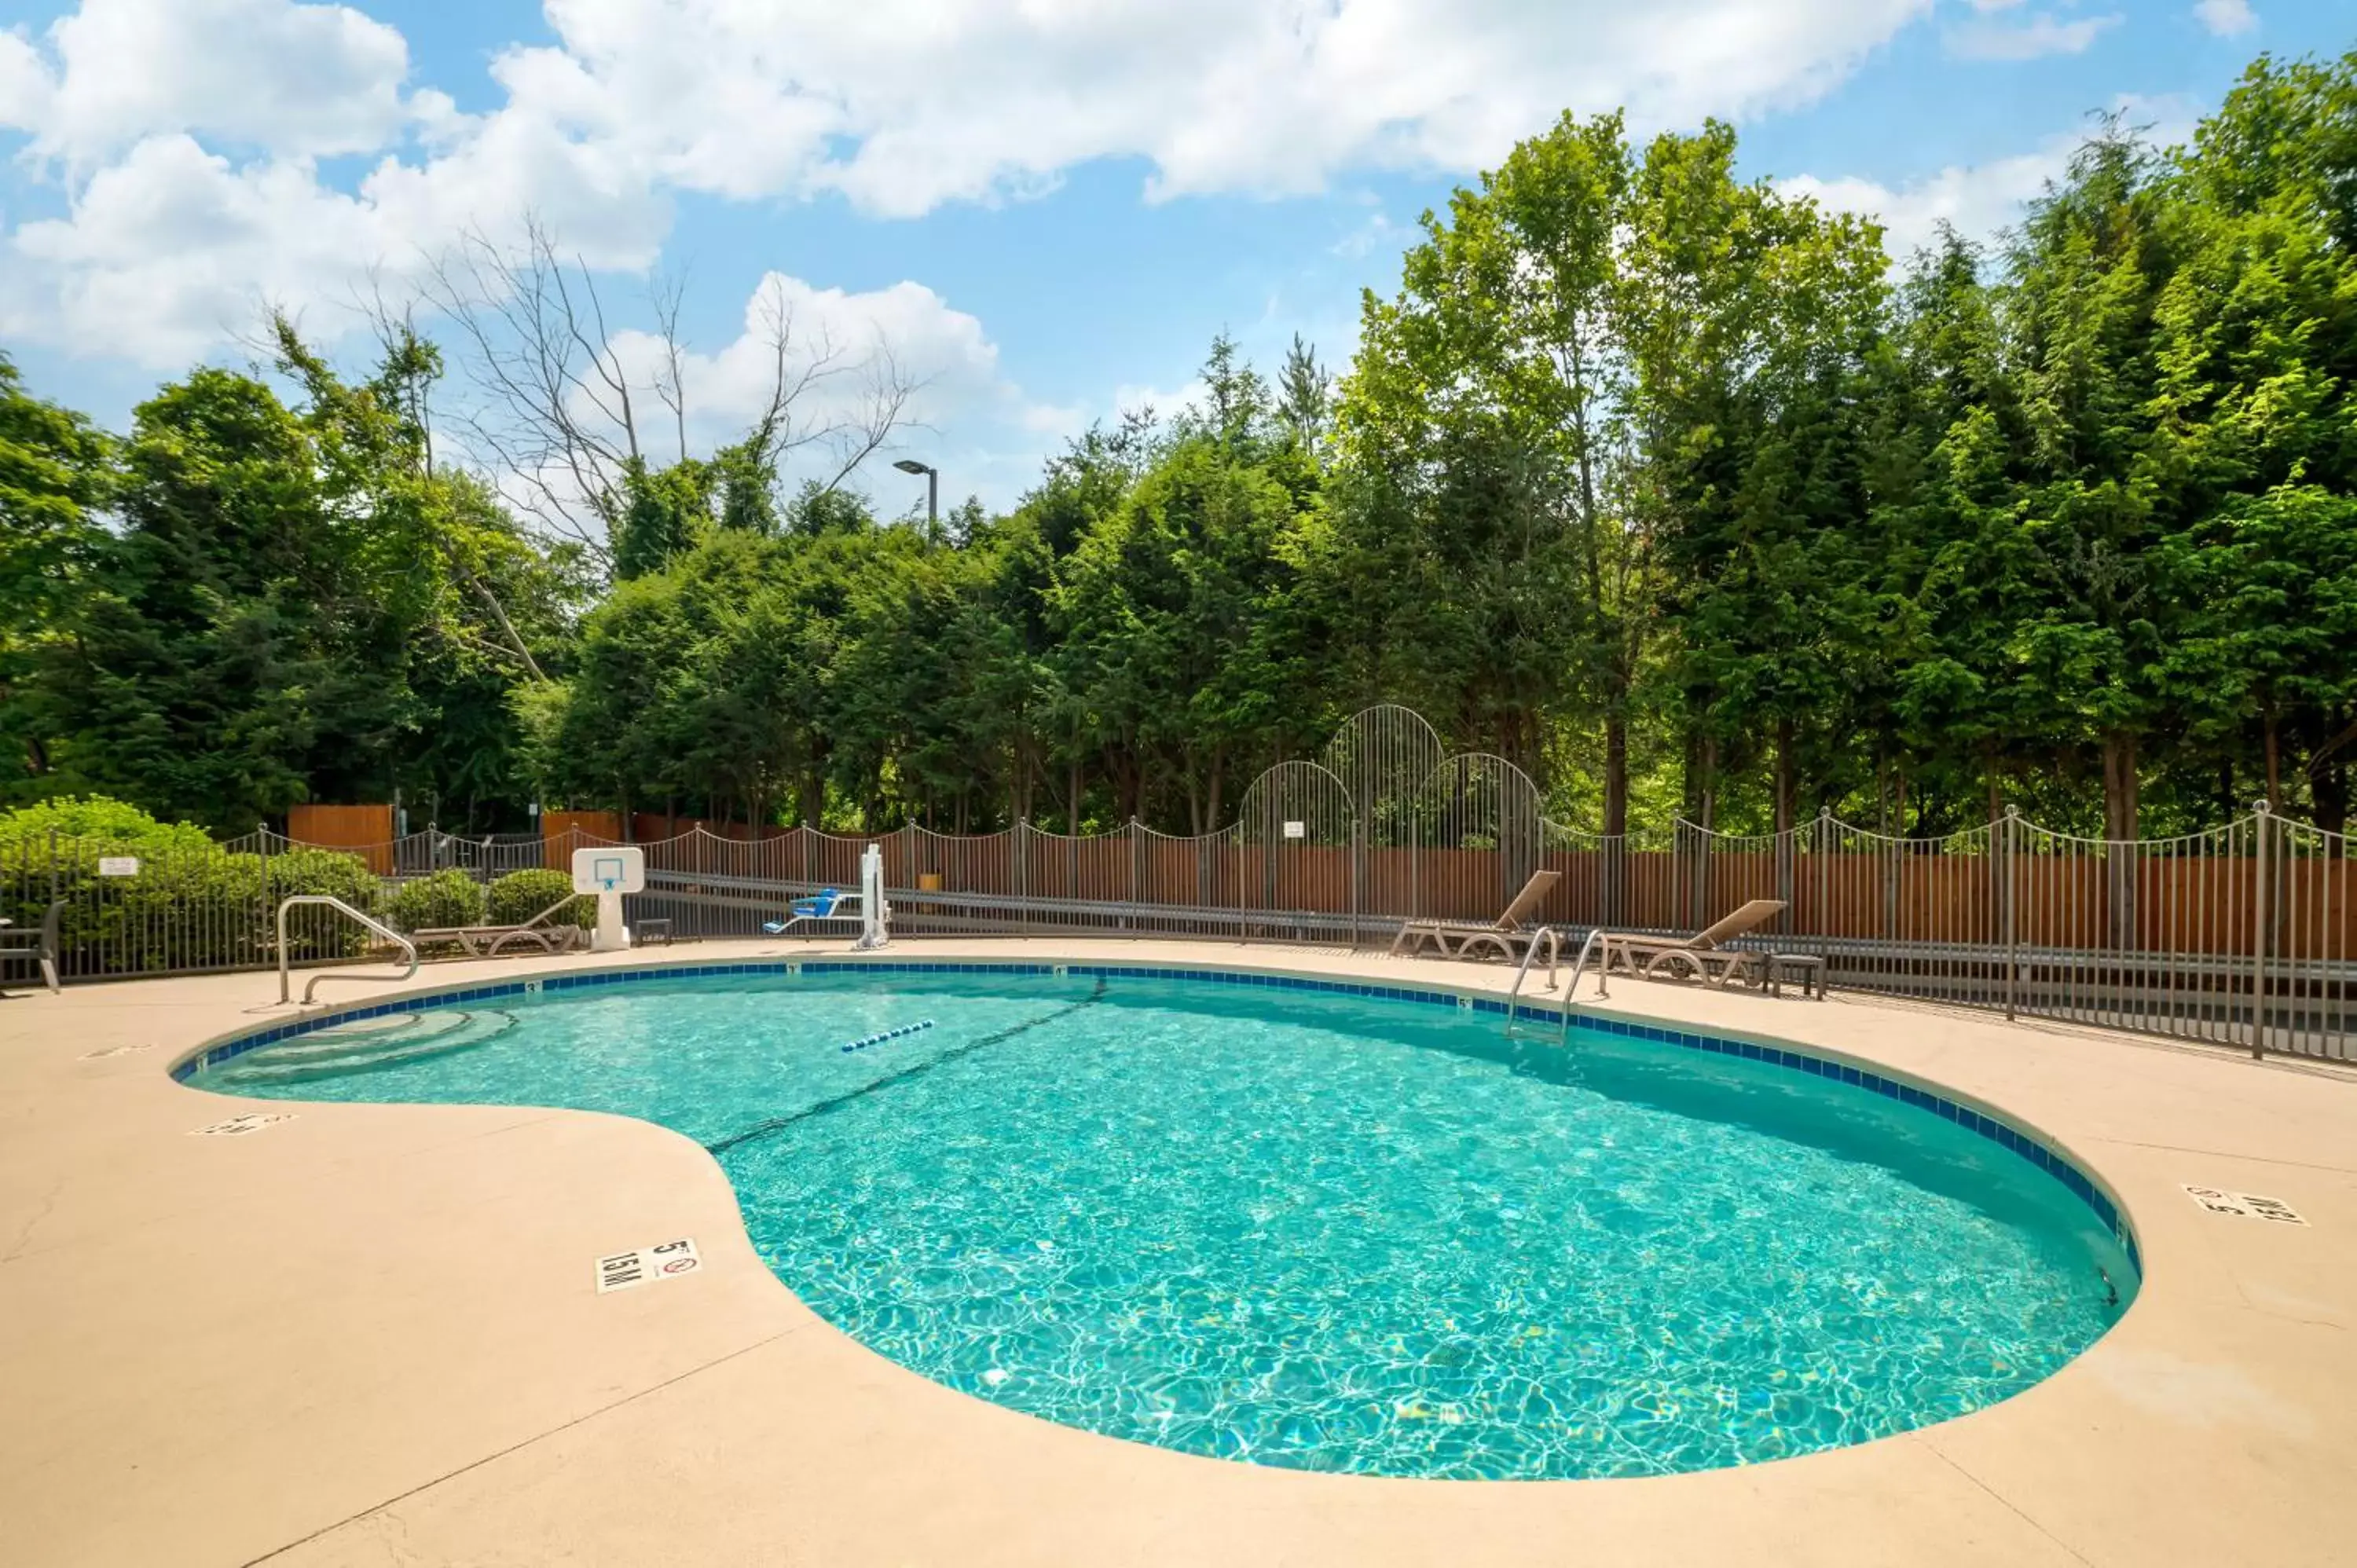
[{"x": 1309, "y": 1230}]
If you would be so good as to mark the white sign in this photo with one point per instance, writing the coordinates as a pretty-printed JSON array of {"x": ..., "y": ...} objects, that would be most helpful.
[
  {"x": 239, "y": 1127},
  {"x": 663, "y": 1260},
  {"x": 613, "y": 868},
  {"x": 118, "y": 865},
  {"x": 1297, "y": 829},
  {"x": 2242, "y": 1204}
]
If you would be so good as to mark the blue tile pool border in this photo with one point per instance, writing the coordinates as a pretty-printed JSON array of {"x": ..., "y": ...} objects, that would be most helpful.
[{"x": 2029, "y": 1146}]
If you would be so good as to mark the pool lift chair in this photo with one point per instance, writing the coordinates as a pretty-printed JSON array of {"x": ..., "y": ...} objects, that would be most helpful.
[
  {"x": 867, "y": 906},
  {"x": 828, "y": 904}
]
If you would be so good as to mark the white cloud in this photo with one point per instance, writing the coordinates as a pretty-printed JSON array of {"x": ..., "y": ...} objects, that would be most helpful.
[
  {"x": 2227, "y": 19},
  {"x": 839, "y": 348},
  {"x": 2042, "y": 35},
  {"x": 291, "y": 79},
  {"x": 172, "y": 250},
  {"x": 1976, "y": 200},
  {"x": 903, "y": 104},
  {"x": 186, "y": 135},
  {"x": 1979, "y": 200}
]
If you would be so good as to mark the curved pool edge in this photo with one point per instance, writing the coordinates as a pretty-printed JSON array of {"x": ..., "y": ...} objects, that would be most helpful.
[
  {"x": 2231, "y": 1377},
  {"x": 2007, "y": 1128}
]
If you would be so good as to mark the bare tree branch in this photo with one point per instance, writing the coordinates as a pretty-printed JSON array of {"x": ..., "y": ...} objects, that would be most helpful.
[{"x": 556, "y": 409}]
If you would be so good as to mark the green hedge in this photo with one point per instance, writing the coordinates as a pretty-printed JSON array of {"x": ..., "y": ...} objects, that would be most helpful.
[
  {"x": 520, "y": 894},
  {"x": 191, "y": 904},
  {"x": 448, "y": 897},
  {"x": 324, "y": 934}
]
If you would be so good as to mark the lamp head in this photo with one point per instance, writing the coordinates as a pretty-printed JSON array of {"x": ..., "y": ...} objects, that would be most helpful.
[{"x": 911, "y": 466}]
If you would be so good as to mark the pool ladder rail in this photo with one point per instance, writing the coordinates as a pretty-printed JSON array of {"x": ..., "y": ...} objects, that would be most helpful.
[
  {"x": 381, "y": 930},
  {"x": 1553, "y": 936}
]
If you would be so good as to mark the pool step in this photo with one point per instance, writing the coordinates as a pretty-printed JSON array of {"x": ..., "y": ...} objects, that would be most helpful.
[{"x": 394, "y": 1041}]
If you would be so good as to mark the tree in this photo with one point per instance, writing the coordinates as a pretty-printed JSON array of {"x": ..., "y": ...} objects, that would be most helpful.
[
  {"x": 569, "y": 410},
  {"x": 1305, "y": 404},
  {"x": 54, "y": 470},
  {"x": 296, "y": 606}
]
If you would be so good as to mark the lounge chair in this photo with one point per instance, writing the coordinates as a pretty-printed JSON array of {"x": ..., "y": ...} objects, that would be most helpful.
[
  {"x": 1703, "y": 954},
  {"x": 35, "y": 947},
  {"x": 828, "y": 904},
  {"x": 1507, "y": 934},
  {"x": 486, "y": 941}
]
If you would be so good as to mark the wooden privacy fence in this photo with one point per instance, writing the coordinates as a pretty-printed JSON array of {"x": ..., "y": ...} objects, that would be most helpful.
[
  {"x": 366, "y": 830},
  {"x": 2244, "y": 934},
  {"x": 2247, "y": 934}
]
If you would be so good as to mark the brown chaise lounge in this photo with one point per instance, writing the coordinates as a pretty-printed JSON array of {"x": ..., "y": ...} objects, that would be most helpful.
[
  {"x": 1509, "y": 933},
  {"x": 484, "y": 941},
  {"x": 1675, "y": 958}
]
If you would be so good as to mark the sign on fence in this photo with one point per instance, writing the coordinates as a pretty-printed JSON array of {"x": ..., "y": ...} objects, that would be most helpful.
[{"x": 118, "y": 865}]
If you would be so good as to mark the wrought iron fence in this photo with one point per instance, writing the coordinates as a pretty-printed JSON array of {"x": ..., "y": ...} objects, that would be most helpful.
[
  {"x": 2244, "y": 935},
  {"x": 180, "y": 906}
]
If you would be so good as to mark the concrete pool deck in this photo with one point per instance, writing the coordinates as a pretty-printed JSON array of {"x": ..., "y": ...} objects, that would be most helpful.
[{"x": 369, "y": 1335}]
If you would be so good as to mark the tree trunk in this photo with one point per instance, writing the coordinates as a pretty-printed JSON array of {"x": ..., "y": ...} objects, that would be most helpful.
[
  {"x": 2120, "y": 785},
  {"x": 1708, "y": 804},
  {"x": 1616, "y": 772},
  {"x": 1073, "y": 801},
  {"x": 2120, "y": 827},
  {"x": 2272, "y": 735},
  {"x": 1785, "y": 801},
  {"x": 2329, "y": 787}
]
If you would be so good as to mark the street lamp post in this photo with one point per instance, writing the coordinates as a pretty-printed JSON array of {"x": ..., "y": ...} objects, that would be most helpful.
[{"x": 932, "y": 495}]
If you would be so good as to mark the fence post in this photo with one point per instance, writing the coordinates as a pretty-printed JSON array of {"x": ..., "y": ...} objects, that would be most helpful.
[
  {"x": 1358, "y": 868},
  {"x": 53, "y": 892},
  {"x": 2010, "y": 826},
  {"x": 1678, "y": 874},
  {"x": 1825, "y": 891},
  {"x": 1788, "y": 844},
  {"x": 1136, "y": 871},
  {"x": 2260, "y": 908},
  {"x": 1021, "y": 871},
  {"x": 262, "y": 835}
]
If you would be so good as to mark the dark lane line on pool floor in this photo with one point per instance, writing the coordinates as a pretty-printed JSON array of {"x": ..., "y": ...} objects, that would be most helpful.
[{"x": 778, "y": 1123}]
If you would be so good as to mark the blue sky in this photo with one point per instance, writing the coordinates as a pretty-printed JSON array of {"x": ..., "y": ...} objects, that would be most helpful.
[{"x": 1047, "y": 208}]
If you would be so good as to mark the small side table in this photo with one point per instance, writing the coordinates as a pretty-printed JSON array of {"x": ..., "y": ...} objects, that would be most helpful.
[{"x": 1806, "y": 968}]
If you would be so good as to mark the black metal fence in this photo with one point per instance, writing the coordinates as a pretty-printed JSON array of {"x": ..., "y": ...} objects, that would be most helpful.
[{"x": 2244, "y": 935}]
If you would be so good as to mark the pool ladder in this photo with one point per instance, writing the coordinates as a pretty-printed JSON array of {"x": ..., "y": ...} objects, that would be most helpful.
[{"x": 1553, "y": 940}]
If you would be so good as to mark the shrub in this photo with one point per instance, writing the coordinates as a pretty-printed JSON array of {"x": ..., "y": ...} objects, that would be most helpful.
[
  {"x": 192, "y": 905},
  {"x": 520, "y": 894},
  {"x": 323, "y": 934},
  {"x": 449, "y": 897},
  {"x": 121, "y": 826}
]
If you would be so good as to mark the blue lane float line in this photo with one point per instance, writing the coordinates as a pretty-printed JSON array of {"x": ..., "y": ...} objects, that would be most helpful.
[{"x": 887, "y": 1035}]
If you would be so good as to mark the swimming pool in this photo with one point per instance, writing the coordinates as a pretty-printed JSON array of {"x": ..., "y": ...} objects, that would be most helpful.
[{"x": 1312, "y": 1226}]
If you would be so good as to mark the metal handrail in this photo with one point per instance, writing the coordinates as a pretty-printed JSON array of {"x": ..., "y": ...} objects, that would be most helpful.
[
  {"x": 1580, "y": 967},
  {"x": 1555, "y": 954},
  {"x": 285, "y": 984}
]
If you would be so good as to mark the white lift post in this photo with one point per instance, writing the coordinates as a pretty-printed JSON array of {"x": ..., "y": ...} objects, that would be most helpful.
[
  {"x": 609, "y": 871},
  {"x": 874, "y": 914}
]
